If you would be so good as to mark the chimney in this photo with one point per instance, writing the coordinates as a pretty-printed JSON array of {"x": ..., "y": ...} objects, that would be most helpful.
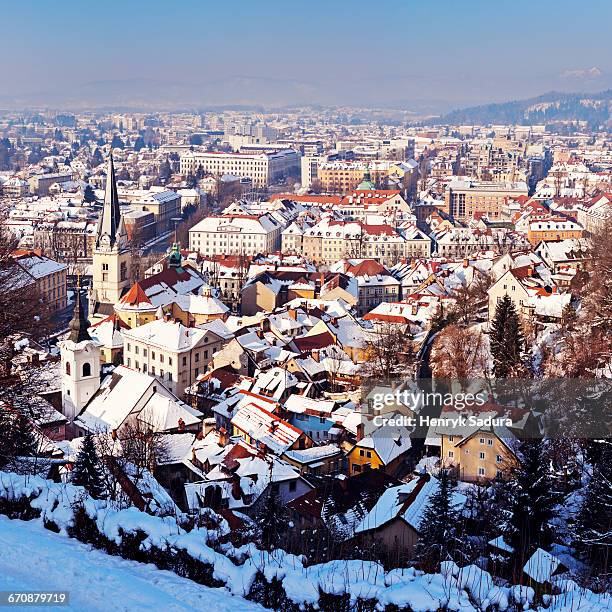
[
  {"x": 293, "y": 313},
  {"x": 207, "y": 426},
  {"x": 466, "y": 262},
  {"x": 315, "y": 354},
  {"x": 223, "y": 437},
  {"x": 181, "y": 425},
  {"x": 360, "y": 431}
]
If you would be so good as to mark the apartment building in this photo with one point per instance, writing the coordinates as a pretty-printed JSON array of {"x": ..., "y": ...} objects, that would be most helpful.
[
  {"x": 48, "y": 277},
  {"x": 40, "y": 183},
  {"x": 331, "y": 240},
  {"x": 262, "y": 168},
  {"x": 165, "y": 204},
  {"x": 168, "y": 350},
  {"x": 464, "y": 198},
  {"x": 344, "y": 176},
  {"x": 375, "y": 283},
  {"x": 594, "y": 215},
  {"x": 553, "y": 229},
  {"x": 236, "y": 234}
]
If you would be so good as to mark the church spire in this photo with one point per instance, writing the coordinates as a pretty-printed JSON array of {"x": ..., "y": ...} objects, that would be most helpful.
[
  {"x": 111, "y": 222},
  {"x": 79, "y": 323}
]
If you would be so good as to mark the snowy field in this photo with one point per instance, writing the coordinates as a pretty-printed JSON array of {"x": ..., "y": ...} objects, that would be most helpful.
[{"x": 34, "y": 559}]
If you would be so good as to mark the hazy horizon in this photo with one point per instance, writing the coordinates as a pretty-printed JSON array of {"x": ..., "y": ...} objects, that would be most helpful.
[{"x": 421, "y": 57}]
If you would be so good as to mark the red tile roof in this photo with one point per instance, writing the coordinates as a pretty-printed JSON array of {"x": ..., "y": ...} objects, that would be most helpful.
[{"x": 135, "y": 296}]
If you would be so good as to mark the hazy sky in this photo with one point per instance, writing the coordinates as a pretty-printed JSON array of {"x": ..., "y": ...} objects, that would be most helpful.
[{"x": 276, "y": 52}]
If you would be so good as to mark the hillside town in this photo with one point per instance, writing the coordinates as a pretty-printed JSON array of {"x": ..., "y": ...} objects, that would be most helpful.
[{"x": 205, "y": 319}]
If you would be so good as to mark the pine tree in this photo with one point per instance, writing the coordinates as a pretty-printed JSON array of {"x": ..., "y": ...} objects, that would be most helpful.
[
  {"x": 507, "y": 340},
  {"x": 594, "y": 522},
  {"x": 533, "y": 498},
  {"x": 438, "y": 540},
  {"x": 24, "y": 442},
  {"x": 16, "y": 438},
  {"x": 272, "y": 521},
  {"x": 86, "y": 472}
]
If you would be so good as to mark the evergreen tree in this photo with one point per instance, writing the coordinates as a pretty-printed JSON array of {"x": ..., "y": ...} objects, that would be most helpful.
[
  {"x": 439, "y": 528},
  {"x": 272, "y": 521},
  {"x": 96, "y": 158},
  {"x": 116, "y": 142},
  {"x": 533, "y": 498},
  {"x": 139, "y": 143},
  {"x": 86, "y": 472},
  {"x": 507, "y": 340},
  {"x": 88, "y": 194},
  {"x": 594, "y": 521},
  {"x": 16, "y": 437}
]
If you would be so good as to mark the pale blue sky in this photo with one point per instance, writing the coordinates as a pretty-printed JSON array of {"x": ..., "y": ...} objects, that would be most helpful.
[{"x": 275, "y": 52}]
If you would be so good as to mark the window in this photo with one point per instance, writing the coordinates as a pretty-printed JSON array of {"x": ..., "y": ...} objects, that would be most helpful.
[
  {"x": 161, "y": 358},
  {"x": 499, "y": 459},
  {"x": 144, "y": 352},
  {"x": 136, "y": 350},
  {"x": 451, "y": 438},
  {"x": 451, "y": 453},
  {"x": 368, "y": 454},
  {"x": 482, "y": 440},
  {"x": 481, "y": 471},
  {"x": 129, "y": 362},
  {"x": 144, "y": 368},
  {"x": 129, "y": 347},
  {"x": 152, "y": 354},
  {"x": 86, "y": 369},
  {"x": 68, "y": 368},
  {"x": 481, "y": 455},
  {"x": 184, "y": 361},
  {"x": 489, "y": 441},
  {"x": 362, "y": 453},
  {"x": 197, "y": 357},
  {"x": 170, "y": 376}
]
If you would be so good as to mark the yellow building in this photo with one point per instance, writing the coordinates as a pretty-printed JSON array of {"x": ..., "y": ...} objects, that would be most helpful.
[
  {"x": 135, "y": 308},
  {"x": 464, "y": 198},
  {"x": 384, "y": 449},
  {"x": 547, "y": 230}
]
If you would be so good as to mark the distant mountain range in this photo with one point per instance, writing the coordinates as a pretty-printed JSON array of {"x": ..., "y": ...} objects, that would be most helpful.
[{"x": 595, "y": 108}]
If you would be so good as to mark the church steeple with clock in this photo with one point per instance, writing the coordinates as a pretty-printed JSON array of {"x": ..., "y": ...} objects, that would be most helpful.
[{"x": 111, "y": 255}]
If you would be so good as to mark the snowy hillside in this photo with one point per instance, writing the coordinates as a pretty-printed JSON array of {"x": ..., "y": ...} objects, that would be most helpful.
[{"x": 34, "y": 558}]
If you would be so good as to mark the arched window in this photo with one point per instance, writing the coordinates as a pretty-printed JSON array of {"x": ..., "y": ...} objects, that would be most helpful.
[
  {"x": 68, "y": 368},
  {"x": 86, "y": 369}
]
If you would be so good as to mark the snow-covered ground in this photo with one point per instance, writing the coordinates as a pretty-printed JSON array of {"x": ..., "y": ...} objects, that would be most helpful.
[{"x": 35, "y": 559}]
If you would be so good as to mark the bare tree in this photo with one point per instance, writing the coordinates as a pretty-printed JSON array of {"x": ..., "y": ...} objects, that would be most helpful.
[{"x": 388, "y": 351}]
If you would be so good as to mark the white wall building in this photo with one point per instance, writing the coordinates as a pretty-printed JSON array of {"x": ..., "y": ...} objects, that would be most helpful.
[{"x": 236, "y": 235}]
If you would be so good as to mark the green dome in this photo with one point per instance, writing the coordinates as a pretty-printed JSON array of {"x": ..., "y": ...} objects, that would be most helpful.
[{"x": 366, "y": 184}]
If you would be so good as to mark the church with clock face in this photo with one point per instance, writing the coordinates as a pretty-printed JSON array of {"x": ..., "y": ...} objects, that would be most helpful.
[{"x": 111, "y": 255}]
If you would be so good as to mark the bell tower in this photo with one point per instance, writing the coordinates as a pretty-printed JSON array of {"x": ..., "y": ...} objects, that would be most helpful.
[
  {"x": 80, "y": 362},
  {"x": 111, "y": 255}
]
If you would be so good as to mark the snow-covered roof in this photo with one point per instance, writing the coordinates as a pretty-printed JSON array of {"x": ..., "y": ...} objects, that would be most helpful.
[
  {"x": 407, "y": 501},
  {"x": 541, "y": 566}
]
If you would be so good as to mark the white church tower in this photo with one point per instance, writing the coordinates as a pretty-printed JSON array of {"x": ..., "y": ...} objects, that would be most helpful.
[
  {"x": 80, "y": 363},
  {"x": 111, "y": 255}
]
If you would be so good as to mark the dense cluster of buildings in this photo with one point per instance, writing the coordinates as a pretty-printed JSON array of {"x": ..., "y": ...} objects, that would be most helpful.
[{"x": 247, "y": 347}]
